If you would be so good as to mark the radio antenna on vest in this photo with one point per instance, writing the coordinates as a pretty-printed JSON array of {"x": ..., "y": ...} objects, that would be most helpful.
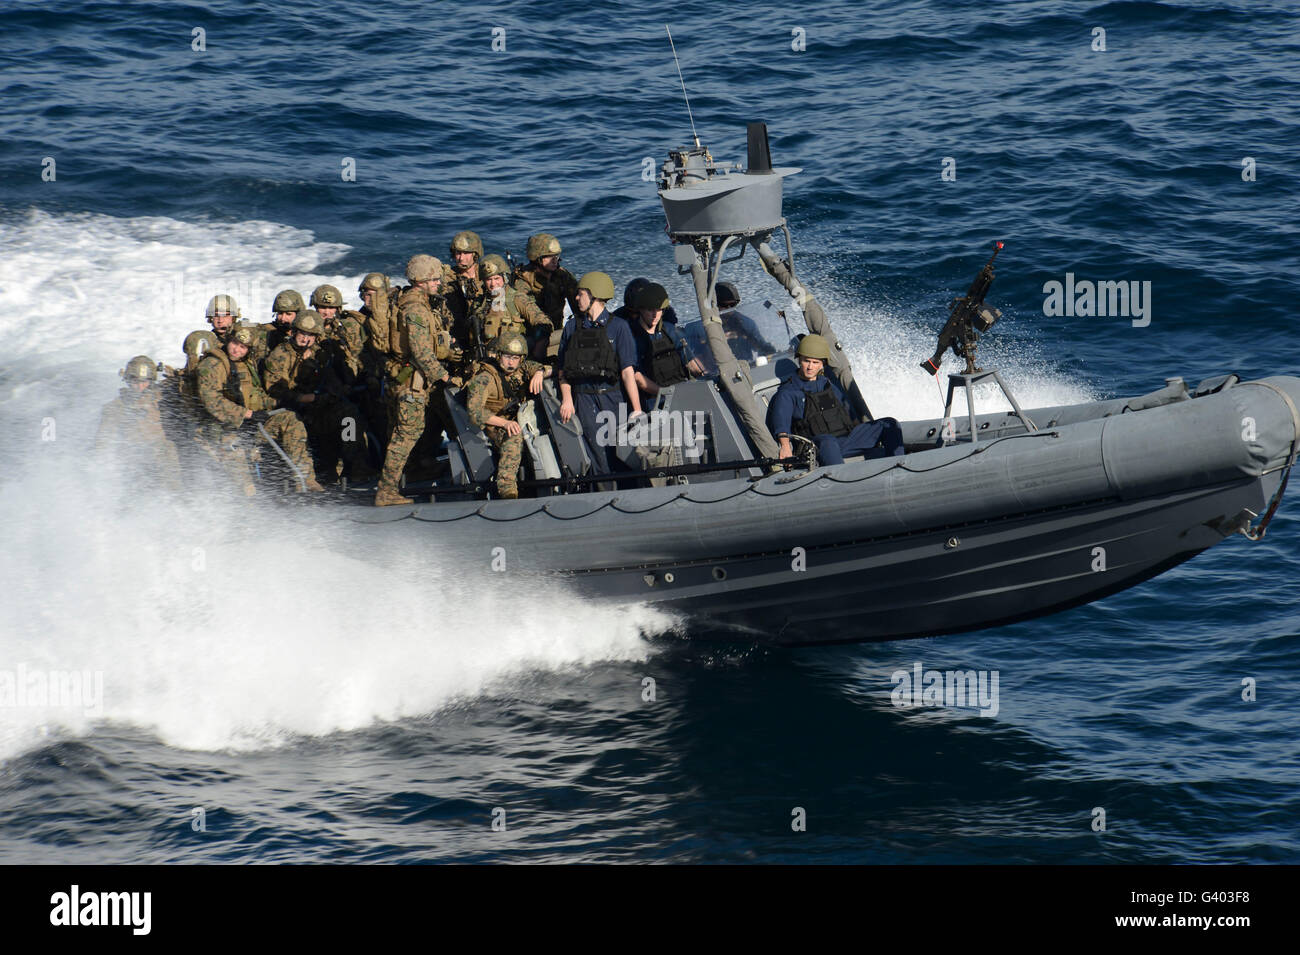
[{"x": 694, "y": 134}]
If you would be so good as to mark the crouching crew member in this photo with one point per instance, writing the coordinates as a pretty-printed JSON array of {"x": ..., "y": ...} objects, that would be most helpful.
[
  {"x": 416, "y": 338},
  {"x": 300, "y": 376},
  {"x": 812, "y": 406},
  {"x": 597, "y": 354},
  {"x": 493, "y": 397},
  {"x": 231, "y": 392}
]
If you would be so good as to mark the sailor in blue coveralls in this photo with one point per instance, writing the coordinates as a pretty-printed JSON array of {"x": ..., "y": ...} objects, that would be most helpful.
[
  {"x": 597, "y": 361},
  {"x": 812, "y": 406}
]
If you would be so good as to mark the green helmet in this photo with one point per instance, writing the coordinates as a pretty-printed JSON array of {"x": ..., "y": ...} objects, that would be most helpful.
[
  {"x": 140, "y": 368},
  {"x": 813, "y": 346},
  {"x": 493, "y": 265},
  {"x": 728, "y": 295},
  {"x": 310, "y": 321},
  {"x": 510, "y": 343},
  {"x": 197, "y": 344},
  {"x": 599, "y": 284},
  {"x": 326, "y": 296},
  {"x": 287, "y": 301},
  {"x": 652, "y": 296},
  {"x": 374, "y": 282},
  {"x": 466, "y": 242},
  {"x": 241, "y": 334},
  {"x": 542, "y": 245},
  {"x": 423, "y": 267},
  {"x": 223, "y": 303}
]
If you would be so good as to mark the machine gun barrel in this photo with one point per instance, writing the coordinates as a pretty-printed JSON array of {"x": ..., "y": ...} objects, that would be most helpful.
[{"x": 962, "y": 313}]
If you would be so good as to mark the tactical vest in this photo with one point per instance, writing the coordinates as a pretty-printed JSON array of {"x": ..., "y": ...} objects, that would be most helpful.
[
  {"x": 547, "y": 289},
  {"x": 243, "y": 386},
  {"x": 502, "y": 390},
  {"x": 666, "y": 365},
  {"x": 823, "y": 413},
  {"x": 399, "y": 333},
  {"x": 590, "y": 357},
  {"x": 489, "y": 322}
]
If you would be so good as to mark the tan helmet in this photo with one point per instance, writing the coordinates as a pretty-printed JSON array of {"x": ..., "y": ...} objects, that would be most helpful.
[
  {"x": 510, "y": 343},
  {"x": 241, "y": 334},
  {"x": 140, "y": 368},
  {"x": 813, "y": 346},
  {"x": 423, "y": 267},
  {"x": 374, "y": 282},
  {"x": 652, "y": 296},
  {"x": 223, "y": 303},
  {"x": 326, "y": 296},
  {"x": 310, "y": 321},
  {"x": 287, "y": 301},
  {"x": 493, "y": 265},
  {"x": 599, "y": 284},
  {"x": 542, "y": 245},
  {"x": 466, "y": 242},
  {"x": 197, "y": 344}
]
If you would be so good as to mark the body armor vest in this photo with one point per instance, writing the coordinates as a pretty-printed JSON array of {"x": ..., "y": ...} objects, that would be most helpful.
[
  {"x": 502, "y": 390},
  {"x": 243, "y": 386},
  {"x": 823, "y": 413},
  {"x": 590, "y": 357},
  {"x": 666, "y": 365}
]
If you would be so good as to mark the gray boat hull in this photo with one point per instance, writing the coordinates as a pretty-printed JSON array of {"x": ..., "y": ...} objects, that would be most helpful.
[{"x": 956, "y": 538}]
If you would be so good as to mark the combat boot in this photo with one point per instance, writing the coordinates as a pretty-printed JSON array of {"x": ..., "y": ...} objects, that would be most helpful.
[
  {"x": 387, "y": 495},
  {"x": 508, "y": 494},
  {"x": 312, "y": 484}
]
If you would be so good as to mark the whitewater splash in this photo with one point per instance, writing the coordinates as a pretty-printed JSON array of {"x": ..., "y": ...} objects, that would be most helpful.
[{"x": 215, "y": 623}]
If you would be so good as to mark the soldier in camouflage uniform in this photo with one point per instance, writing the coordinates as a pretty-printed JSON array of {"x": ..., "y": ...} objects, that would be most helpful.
[
  {"x": 505, "y": 309},
  {"x": 462, "y": 283},
  {"x": 493, "y": 398},
  {"x": 299, "y": 375},
  {"x": 378, "y": 300},
  {"x": 345, "y": 330},
  {"x": 222, "y": 313},
  {"x": 284, "y": 310},
  {"x": 132, "y": 426},
  {"x": 549, "y": 285},
  {"x": 417, "y": 343},
  {"x": 231, "y": 392}
]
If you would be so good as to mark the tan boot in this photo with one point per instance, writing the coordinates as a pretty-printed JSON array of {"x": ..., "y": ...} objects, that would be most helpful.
[
  {"x": 387, "y": 495},
  {"x": 312, "y": 484},
  {"x": 508, "y": 494}
]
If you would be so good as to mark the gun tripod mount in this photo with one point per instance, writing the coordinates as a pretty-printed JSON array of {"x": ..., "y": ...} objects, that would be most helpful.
[{"x": 969, "y": 380}]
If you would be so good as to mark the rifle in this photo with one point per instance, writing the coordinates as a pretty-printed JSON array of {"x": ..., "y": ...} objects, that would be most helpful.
[{"x": 968, "y": 315}]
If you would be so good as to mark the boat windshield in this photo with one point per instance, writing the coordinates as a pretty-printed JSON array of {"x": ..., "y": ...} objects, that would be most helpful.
[{"x": 754, "y": 336}]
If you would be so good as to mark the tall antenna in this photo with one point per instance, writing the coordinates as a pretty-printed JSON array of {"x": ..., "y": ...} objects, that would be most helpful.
[{"x": 694, "y": 134}]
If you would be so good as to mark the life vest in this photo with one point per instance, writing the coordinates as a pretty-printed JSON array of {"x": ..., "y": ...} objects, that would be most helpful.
[
  {"x": 823, "y": 413},
  {"x": 502, "y": 390},
  {"x": 590, "y": 357},
  {"x": 666, "y": 365},
  {"x": 243, "y": 386}
]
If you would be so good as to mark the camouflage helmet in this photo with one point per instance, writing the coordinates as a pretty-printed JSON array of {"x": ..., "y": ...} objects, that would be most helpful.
[
  {"x": 634, "y": 286},
  {"x": 197, "y": 344},
  {"x": 243, "y": 335},
  {"x": 373, "y": 282},
  {"x": 466, "y": 242},
  {"x": 599, "y": 284},
  {"x": 309, "y": 320},
  {"x": 813, "y": 346},
  {"x": 326, "y": 296},
  {"x": 493, "y": 265},
  {"x": 510, "y": 343},
  {"x": 542, "y": 245},
  {"x": 140, "y": 368},
  {"x": 287, "y": 301},
  {"x": 652, "y": 295},
  {"x": 422, "y": 267},
  {"x": 728, "y": 295},
  {"x": 222, "y": 303}
]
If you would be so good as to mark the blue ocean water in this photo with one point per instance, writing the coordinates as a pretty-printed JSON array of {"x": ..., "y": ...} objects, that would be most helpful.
[{"x": 306, "y": 705}]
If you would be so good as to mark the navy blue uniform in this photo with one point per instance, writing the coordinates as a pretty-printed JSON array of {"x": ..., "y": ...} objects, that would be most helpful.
[
  {"x": 594, "y": 395},
  {"x": 786, "y": 411}
]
